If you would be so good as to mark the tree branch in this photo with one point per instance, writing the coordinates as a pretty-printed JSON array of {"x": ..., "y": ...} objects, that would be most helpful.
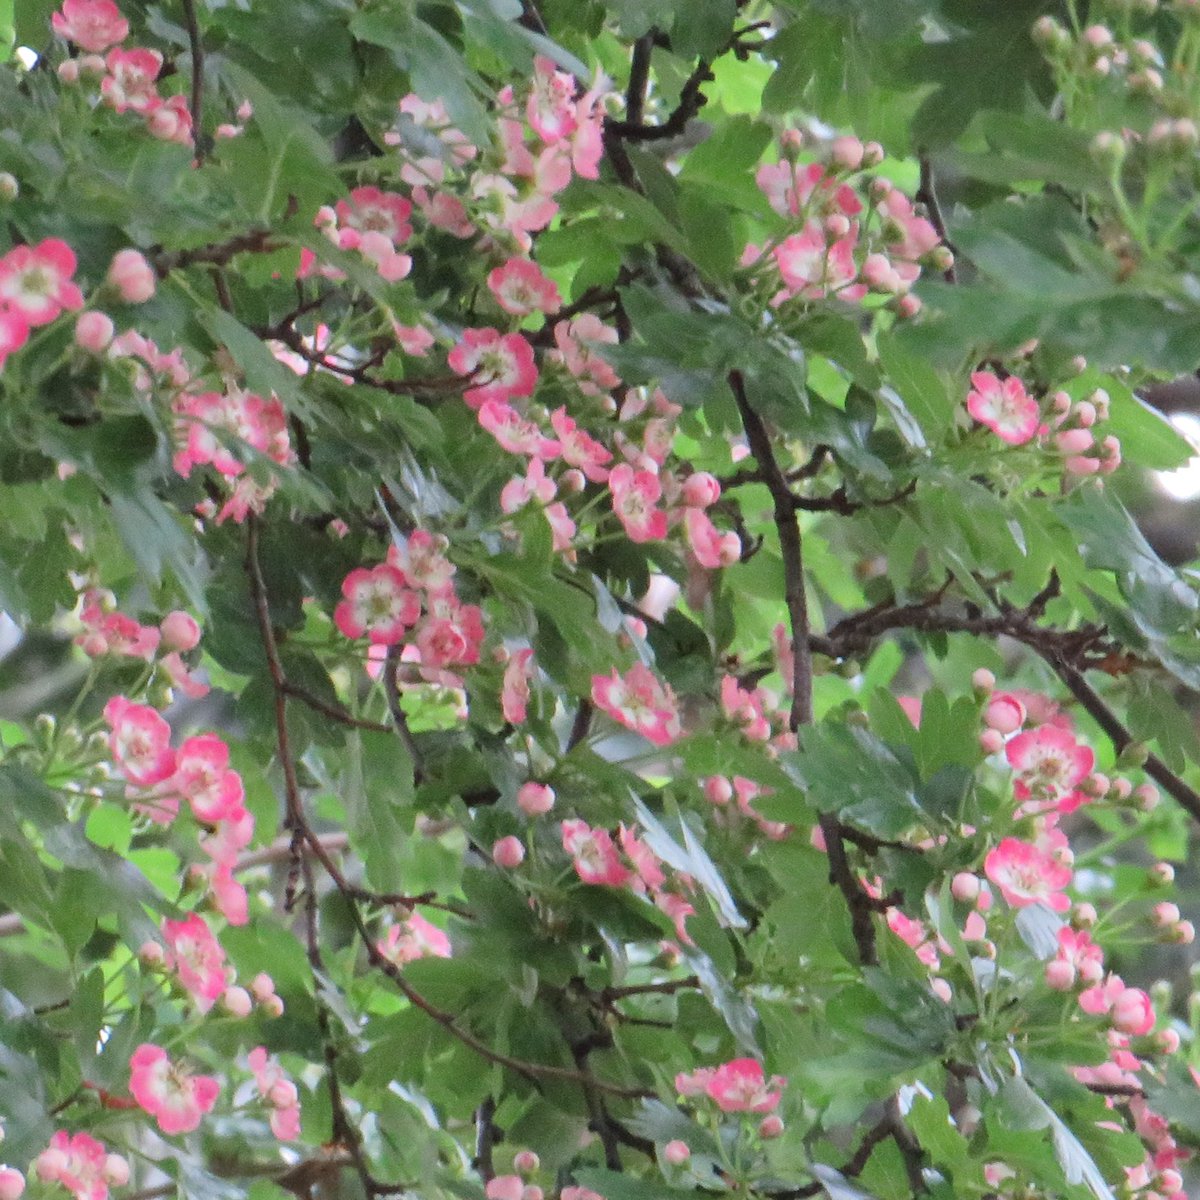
[{"x": 197, "y": 99}]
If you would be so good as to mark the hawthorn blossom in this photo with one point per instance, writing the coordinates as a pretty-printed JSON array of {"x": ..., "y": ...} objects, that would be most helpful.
[
  {"x": 93, "y": 25},
  {"x": 1050, "y": 765},
  {"x": 520, "y": 288},
  {"x": 1026, "y": 875},
  {"x": 411, "y": 939},
  {"x": 514, "y": 691},
  {"x": 197, "y": 958},
  {"x": 1005, "y": 408},
  {"x": 140, "y": 741},
  {"x": 279, "y": 1092},
  {"x": 377, "y": 605},
  {"x": 500, "y": 366},
  {"x": 369, "y": 210},
  {"x": 710, "y": 547},
  {"x": 130, "y": 82},
  {"x": 80, "y": 1164},
  {"x": 593, "y": 854},
  {"x": 789, "y": 188},
  {"x": 14, "y": 332},
  {"x": 639, "y": 701},
  {"x": 1131, "y": 1009},
  {"x": 576, "y": 342},
  {"x": 634, "y": 496},
  {"x": 513, "y": 432},
  {"x": 203, "y": 778},
  {"x": 579, "y": 449},
  {"x": 174, "y": 1097},
  {"x": 740, "y": 1086},
  {"x": 35, "y": 281},
  {"x": 550, "y": 108}
]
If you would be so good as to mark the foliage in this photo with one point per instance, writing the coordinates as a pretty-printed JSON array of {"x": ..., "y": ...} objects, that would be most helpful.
[{"x": 481, "y": 478}]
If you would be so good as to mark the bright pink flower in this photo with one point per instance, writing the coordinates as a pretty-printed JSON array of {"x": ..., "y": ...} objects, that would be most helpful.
[
  {"x": 1025, "y": 875},
  {"x": 579, "y": 449},
  {"x": 514, "y": 692},
  {"x": 203, "y": 777},
  {"x": 550, "y": 108},
  {"x": 140, "y": 742},
  {"x": 12, "y": 1184},
  {"x": 170, "y": 120},
  {"x": 93, "y": 25},
  {"x": 645, "y": 862},
  {"x": 593, "y": 854},
  {"x": 640, "y": 702},
  {"x": 197, "y": 958},
  {"x": 77, "y": 1162},
  {"x": 180, "y": 631},
  {"x": 1049, "y": 763},
  {"x": 132, "y": 276},
  {"x": 810, "y": 266},
  {"x": 519, "y": 490},
  {"x": 789, "y": 187},
  {"x": 130, "y": 81},
  {"x": 1133, "y": 1012},
  {"x": 520, "y": 288},
  {"x": 279, "y": 1092},
  {"x": 501, "y": 366},
  {"x": 1005, "y": 408},
  {"x": 1076, "y": 948},
  {"x": 694, "y": 1083},
  {"x": 634, "y": 496},
  {"x": 577, "y": 340},
  {"x": 413, "y": 938},
  {"x": 377, "y": 605},
  {"x": 711, "y": 547},
  {"x": 168, "y": 1092},
  {"x": 514, "y": 433},
  {"x": 371, "y": 211},
  {"x": 228, "y": 896},
  {"x": 739, "y": 1086},
  {"x": 35, "y": 281},
  {"x": 1004, "y": 713}
]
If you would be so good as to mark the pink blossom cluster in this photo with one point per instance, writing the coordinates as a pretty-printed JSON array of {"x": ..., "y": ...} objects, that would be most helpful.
[
  {"x": 36, "y": 285},
  {"x": 413, "y": 938},
  {"x": 372, "y": 222},
  {"x": 81, "y": 1165},
  {"x": 851, "y": 240},
  {"x": 737, "y": 1086},
  {"x": 198, "y": 772},
  {"x": 227, "y": 430},
  {"x": 168, "y": 1091},
  {"x": 640, "y": 701},
  {"x": 719, "y": 791},
  {"x": 128, "y": 76},
  {"x": 410, "y": 600},
  {"x": 279, "y": 1093},
  {"x": 513, "y": 1187},
  {"x": 108, "y": 631},
  {"x": 426, "y": 173},
  {"x": 1066, "y": 430},
  {"x": 597, "y": 861}
]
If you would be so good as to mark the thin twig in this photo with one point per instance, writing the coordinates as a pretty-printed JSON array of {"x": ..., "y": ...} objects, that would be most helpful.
[{"x": 197, "y": 100}]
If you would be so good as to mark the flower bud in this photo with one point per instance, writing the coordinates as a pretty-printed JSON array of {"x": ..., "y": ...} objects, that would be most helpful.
[
  {"x": 964, "y": 887},
  {"x": 236, "y": 1001},
  {"x": 535, "y": 799},
  {"x": 10, "y": 189},
  {"x": 1146, "y": 794},
  {"x": 677, "y": 1153},
  {"x": 93, "y": 331},
  {"x": 179, "y": 631},
  {"x": 116, "y": 1170},
  {"x": 873, "y": 154},
  {"x": 983, "y": 680},
  {"x": 847, "y": 153},
  {"x": 273, "y": 1006},
  {"x": 68, "y": 71},
  {"x": 991, "y": 741},
  {"x": 132, "y": 276},
  {"x": 526, "y": 1162},
  {"x": 1060, "y": 975},
  {"x": 12, "y": 1183},
  {"x": 1166, "y": 1041},
  {"x": 770, "y": 1127},
  {"x": 508, "y": 852},
  {"x": 1083, "y": 916},
  {"x": 151, "y": 955}
]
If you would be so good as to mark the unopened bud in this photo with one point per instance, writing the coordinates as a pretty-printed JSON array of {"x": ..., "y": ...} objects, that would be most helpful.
[{"x": 10, "y": 189}]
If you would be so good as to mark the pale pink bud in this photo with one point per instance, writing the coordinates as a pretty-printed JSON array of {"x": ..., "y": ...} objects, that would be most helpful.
[
  {"x": 132, "y": 276},
  {"x": 1078, "y": 465},
  {"x": 50, "y": 1164},
  {"x": 532, "y": 1192},
  {"x": 224, "y": 132},
  {"x": 991, "y": 741},
  {"x": 1073, "y": 441},
  {"x": 1085, "y": 413},
  {"x": 872, "y": 154},
  {"x": 1098, "y": 36},
  {"x": 718, "y": 790},
  {"x": 1004, "y": 713},
  {"x": 1091, "y": 971},
  {"x": 508, "y": 852},
  {"x": 1096, "y": 784},
  {"x": 837, "y": 225},
  {"x": 700, "y": 489},
  {"x": 677, "y": 1153},
  {"x": 68, "y": 70},
  {"x": 245, "y": 110},
  {"x": 1060, "y": 975},
  {"x": 1146, "y": 795},
  {"x": 847, "y": 152},
  {"x": 982, "y": 680},
  {"x": 10, "y": 189},
  {"x": 273, "y": 1006},
  {"x": 770, "y": 1127},
  {"x": 881, "y": 188},
  {"x": 1060, "y": 406},
  {"x": 116, "y": 1170},
  {"x": 1121, "y": 789},
  {"x": 878, "y": 273},
  {"x": 151, "y": 954},
  {"x": 93, "y": 64},
  {"x": 179, "y": 631},
  {"x": 236, "y": 1001},
  {"x": 965, "y": 887},
  {"x": 572, "y": 482},
  {"x": 1165, "y": 913},
  {"x": 1184, "y": 934},
  {"x": 1083, "y": 916},
  {"x": 941, "y": 989},
  {"x": 535, "y": 799},
  {"x": 526, "y": 1161},
  {"x": 1166, "y": 1041},
  {"x": 262, "y": 986},
  {"x": 93, "y": 331},
  {"x": 908, "y": 305},
  {"x": 1169, "y": 1182},
  {"x": 12, "y": 1183},
  {"x": 504, "y": 1187},
  {"x": 283, "y": 1094}
]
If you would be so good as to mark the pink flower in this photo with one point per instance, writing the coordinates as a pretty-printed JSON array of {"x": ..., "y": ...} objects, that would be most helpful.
[
  {"x": 77, "y": 1162},
  {"x": 1049, "y": 764},
  {"x": 634, "y": 495},
  {"x": 139, "y": 741},
  {"x": 550, "y": 108},
  {"x": 197, "y": 958},
  {"x": 377, "y": 605},
  {"x": 640, "y": 702},
  {"x": 501, "y": 366},
  {"x": 203, "y": 778},
  {"x": 14, "y": 332},
  {"x": 279, "y": 1092},
  {"x": 739, "y": 1086},
  {"x": 1026, "y": 875},
  {"x": 577, "y": 340},
  {"x": 593, "y": 854},
  {"x": 513, "y": 432},
  {"x": 12, "y": 1183},
  {"x": 132, "y": 276},
  {"x": 1005, "y": 408},
  {"x": 508, "y": 852},
  {"x": 93, "y": 25},
  {"x": 711, "y": 547},
  {"x": 514, "y": 691},
  {"x": 371, "y": 211},
  {"x": 130, "y": 82},
  {"x": 413, "y": 938},
  {"x": 168, "y": 1092},
  {"x": 520, "y": 288},
  {"x": 36, "y": 281},
  {"x": 535, "y": 799},
  {"x": 579, "y": 449}
]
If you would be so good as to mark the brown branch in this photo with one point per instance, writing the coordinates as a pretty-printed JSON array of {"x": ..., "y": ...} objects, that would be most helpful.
[
  {"x": 334, "y": 711},
  {"x": 197, "y": 98},
  {"x": 927, "y": 195},
  {"x": 691, "y": 101},
  {"x": 256, "y": 241},
  {"x": 391, "y": 689},
  {"x": 666, "y": 988}
]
